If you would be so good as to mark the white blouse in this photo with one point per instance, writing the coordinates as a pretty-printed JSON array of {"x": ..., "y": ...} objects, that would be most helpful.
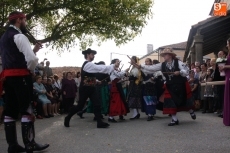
[
  {"x": 23, "y": 44},
  {"x": 117, "y": 74},
  {"x": 150, "y": 69},
  {"x": 93, "y": 68}
]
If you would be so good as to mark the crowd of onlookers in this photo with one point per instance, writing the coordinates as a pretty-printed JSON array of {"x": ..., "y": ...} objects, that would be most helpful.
[
  {"x": 208, "y": 98},
  {"x": 52, "y": 94}
]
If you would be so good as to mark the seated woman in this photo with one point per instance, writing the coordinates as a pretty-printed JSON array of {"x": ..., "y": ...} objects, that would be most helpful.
[
  {"x": 40, "y": 89},
  {"x": 52, "y": 95}
]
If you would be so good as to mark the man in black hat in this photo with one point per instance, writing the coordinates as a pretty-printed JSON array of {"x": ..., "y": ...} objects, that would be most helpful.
[{"x": 87, "y": 87}]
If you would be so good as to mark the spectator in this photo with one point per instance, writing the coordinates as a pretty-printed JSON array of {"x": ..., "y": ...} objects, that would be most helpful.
[
  {"x": 208, "y": 93},
  {"x": 44, "y": 80},
  {"x": 197, "y": 72},
  {"x": 192, "y": 67},
  {"x": 52, "y": 95},
  {"x": 219, "y": 90},
  {"x": 63, "y": 75},
  {"x": 197, "y": 64},
  {"x": 38, "y": 105},
  {"x": 69, "y": 90},
  {"x": 194, "y": 84},
  {"x": 57, "y": 84},
  {"x": 201, "y": 79},
  {"x": 47, "y": 70},
  {"x": 208, "y": 63},
  {"x": 39, "y": 69},
  {"x": 78, "y": 80},
  {"x": 40, "y": 89},
  {"x": 222, "y": 54}
]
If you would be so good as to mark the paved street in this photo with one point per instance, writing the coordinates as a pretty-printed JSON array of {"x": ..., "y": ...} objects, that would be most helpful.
[{"x": 207, "y": 134}]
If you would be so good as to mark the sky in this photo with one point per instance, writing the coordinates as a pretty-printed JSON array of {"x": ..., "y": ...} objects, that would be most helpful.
[{"x": 171, "y": 22}]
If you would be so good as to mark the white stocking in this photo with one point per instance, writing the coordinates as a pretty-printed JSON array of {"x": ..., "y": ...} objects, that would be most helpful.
[
  {"x": 135, "y": 112},
  {"x": 174, "y": 117}
]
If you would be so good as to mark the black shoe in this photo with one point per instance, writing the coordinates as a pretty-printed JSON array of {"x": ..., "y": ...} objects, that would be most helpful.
[
  {"x": 102, "y": 117},
  {"x": 221, "y": 115},
  {"x": 66, "y": 121},
  {"x": 150, "y": 118},
  {"x": 193, "y": 115},
  {"x": 174, "y": 123},
  {"x": 39, "y": 147},
  {"x": 47, "y": 116},
  {"x": 31, "y": 145},
  {"x": 112, "y": 120},
  {"x": 203, "y": 112},
  {"x": 102, "y": 125},
  {"x": 80, "y": 114},
  {"x": 121, "y": 117},
  {"x": 50, "y": 115},
  {"x": 136, "y": 117}
]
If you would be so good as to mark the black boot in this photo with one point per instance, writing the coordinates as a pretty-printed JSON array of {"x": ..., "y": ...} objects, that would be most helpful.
[
  {"x": 11, "y": 138},
  {"x": 80, "y": 114},
  {"x": 101, "y": 124},
  {"x": 27, "y": 133},
  {"x": 72, "y": 111},
  {"x": 121, "y": 117}
]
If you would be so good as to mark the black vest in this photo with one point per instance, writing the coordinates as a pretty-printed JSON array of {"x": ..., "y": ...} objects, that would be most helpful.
[
  {"x": 172, "y": 79},
  {"x": 12, "y": 58},
  {"x": 87, "y": 79}
]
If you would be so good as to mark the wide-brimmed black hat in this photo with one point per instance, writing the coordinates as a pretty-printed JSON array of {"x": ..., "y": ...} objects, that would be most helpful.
[{"x": 88, "y": 51}]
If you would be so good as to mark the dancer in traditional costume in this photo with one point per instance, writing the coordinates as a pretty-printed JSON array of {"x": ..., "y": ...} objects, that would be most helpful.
[
  {"x": 178, "y": 95},
  {"x": 88, "y": 87},
  {"x": 102, "y": 91},
  {"x": 135, "y": 89},
  {"x": 118, "y": 106},
  {"x": 149, "y": 93},
  {"x": 18, "y": 63}
]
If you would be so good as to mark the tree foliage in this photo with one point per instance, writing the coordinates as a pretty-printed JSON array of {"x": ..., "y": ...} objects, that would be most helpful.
[{"x": 62, "y": 22}]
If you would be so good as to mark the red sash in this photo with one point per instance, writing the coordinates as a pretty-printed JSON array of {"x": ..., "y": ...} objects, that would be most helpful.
[{"x": 11, "y": 72}]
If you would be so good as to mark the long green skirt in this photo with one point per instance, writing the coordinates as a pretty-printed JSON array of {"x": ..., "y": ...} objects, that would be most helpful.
[{"x": 103, "y": 97}]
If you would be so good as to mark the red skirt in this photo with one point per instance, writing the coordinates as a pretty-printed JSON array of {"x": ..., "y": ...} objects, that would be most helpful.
[
  {"x": 117, "y": 106},
  {"x": 171, "y": 105}
]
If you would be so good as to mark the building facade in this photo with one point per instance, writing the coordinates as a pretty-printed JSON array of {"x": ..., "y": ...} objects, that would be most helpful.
[{"x": 178, "y": 48}]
